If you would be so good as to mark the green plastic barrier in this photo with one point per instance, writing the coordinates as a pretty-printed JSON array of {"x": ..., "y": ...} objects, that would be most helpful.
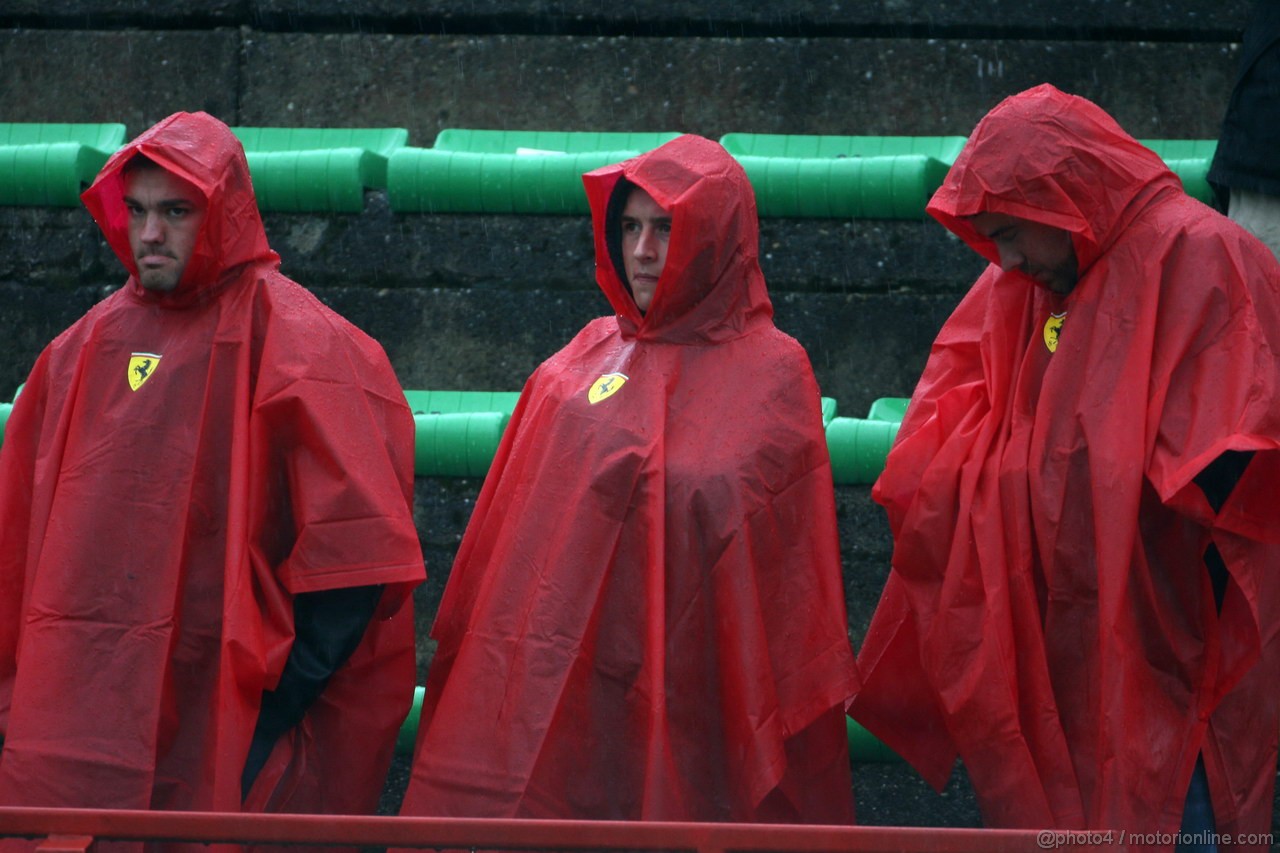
[
  {"x": 809, "y": 146},
  {"x": 430, "y": 181},
  {"x": 5, "y": 410},
  {"x": 870, "y": 177},
  {"x": 460, "y": 444},
  {"x": 828, "y": 411},
  {"x": 546, "y": 141},
  {"x": 1194, "y": 175},
  {"x": 858, "y": 446},
  {"x": 318, "y": 169},
  {"x": 104, "y": 136},
  {"x": 864, "y": 747},
  {"x": 858, "y": 449},
  {"x": 378, "y": 142},
  {"x": 888, "y": 409},
  {"x": 490, "y": 171},
  {"x": 853, "y": 187},
  {"x": 333, "y": 180},
  {"x": 457, "y": 432},
  {"x": 1182, "y": 149},
  {"x": 409, "y": 728},
  {"x": 51, "y": 164},
  {"x": 1189, "y": 159},
  {"x": 449, "y": 402}
]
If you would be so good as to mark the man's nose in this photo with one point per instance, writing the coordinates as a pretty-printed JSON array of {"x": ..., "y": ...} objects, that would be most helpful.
[
  {"x": 1010, "y": 258},
  {"x": 152, "y": 229},
  {"x": 645, "y": 245}
]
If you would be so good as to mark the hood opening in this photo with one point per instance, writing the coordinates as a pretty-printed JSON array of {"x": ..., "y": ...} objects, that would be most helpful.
[{"x": 613, "y": 229}]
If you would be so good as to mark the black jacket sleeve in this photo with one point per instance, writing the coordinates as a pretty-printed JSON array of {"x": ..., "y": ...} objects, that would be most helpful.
[{"x": 328, "y": 626}]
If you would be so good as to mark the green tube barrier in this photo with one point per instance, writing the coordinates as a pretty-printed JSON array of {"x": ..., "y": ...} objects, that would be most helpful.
[
  {"x": 891, "y": 187},
  {"x": 409, "y": 728},
  {"x": 858, "y": 449},
  {"x": 53, "y": 174},
  {"x": 864, "y": 747},
  {"x": 432, "y": 181},
  {"x": 1194, "y": 174},
  {"x": 488, "y": 141},
  {"x": 449, "y": 402},
  {"x": 944, "y": 148},
  {"x": 48, "y": 164},
  {"x": 829, "y": 410},
  {"x": 5, "y": 409},
  {"x": 1189, "y": 159},
  {"x": 461, "y": 444},
  {"x": 331, "y": 180},
  {"x": 888, "y": 409}
]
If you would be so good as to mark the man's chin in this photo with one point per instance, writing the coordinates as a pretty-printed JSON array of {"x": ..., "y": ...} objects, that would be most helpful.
[
  {"x": 1054, "y": 283},
  {"x": 158, "y": 283}
]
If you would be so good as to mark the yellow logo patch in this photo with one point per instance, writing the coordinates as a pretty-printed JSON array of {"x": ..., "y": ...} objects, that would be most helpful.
[
  {"x": 142, "y": 366},
  {"x": 1052, "y": 330},
  {"x": 605, "y": 387}
]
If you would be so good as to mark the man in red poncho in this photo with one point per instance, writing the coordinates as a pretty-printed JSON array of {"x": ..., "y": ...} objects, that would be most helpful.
[
  {"x": 206, "y": 533},
  {"x": 646, "y": 619},
  {"x": 1083, "y": 603}
]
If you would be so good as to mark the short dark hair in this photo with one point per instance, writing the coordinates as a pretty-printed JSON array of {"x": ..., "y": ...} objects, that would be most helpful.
[
  {"x": 613, "y": 226},
  {"x": 139, "y": 162}
]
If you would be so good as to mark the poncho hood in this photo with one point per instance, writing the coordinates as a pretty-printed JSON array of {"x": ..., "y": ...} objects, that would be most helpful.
[
  {"x": 203, "y": 151},
  {"x": 1087, "y": 176},
  {"x": 711, "y": 288}
]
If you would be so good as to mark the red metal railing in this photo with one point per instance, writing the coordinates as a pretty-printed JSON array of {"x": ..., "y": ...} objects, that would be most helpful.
[{"x": 77, "y": 829}]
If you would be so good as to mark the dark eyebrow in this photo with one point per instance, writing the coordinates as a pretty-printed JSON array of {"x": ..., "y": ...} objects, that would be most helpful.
[
  {"x": 164, "y": 202},
  {"x": 629, "y": 218}
]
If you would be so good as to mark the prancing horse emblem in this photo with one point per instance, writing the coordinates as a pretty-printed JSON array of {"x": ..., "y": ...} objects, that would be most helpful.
[
  {"x": 1053, "y": 330},
  {"x": 605, "y": 387},
  {"x": 142, "y": 366}
]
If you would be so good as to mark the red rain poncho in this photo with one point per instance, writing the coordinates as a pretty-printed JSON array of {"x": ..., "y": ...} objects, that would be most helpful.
[
  {"x": 646, "y": 616},
  {"x": 1049, "y": 616},
  {"x": 152, "y": 540}
]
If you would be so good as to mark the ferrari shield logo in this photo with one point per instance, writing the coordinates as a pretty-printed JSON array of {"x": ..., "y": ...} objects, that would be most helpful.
[
  {"x": 1052, "y": 329},
  {"x": 142, "y": 365},
  {"x": 605, "y": 387}
]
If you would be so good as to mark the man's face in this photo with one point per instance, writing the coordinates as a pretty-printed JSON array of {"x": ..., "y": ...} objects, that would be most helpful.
[
  {"x": 646, "y": 230},
  {"x": 1041, "y": 251},
  {"x": 165, "y": 215}
]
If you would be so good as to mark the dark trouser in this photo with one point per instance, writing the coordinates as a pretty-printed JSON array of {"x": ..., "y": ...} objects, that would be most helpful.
[{"x": 1198, "y": 832}]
